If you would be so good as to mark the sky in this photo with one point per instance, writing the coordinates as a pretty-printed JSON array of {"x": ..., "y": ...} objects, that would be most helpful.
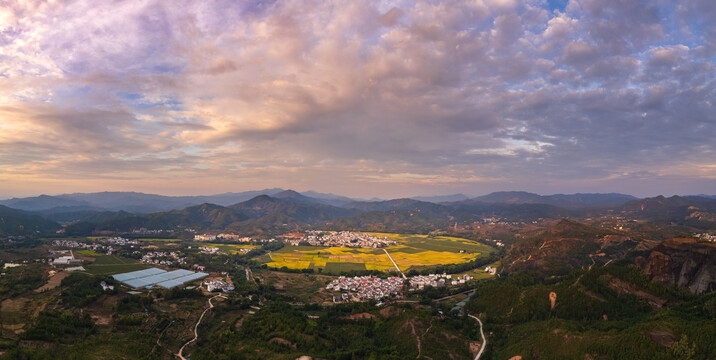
[{"x": 360, "y": 98}]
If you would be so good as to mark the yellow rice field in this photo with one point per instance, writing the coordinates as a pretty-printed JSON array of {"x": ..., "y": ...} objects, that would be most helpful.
[{"x": 412, "y": 250}]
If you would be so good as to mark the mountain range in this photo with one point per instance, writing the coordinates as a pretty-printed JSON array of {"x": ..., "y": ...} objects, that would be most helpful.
[
  {"x": 280, "y": 210},
  {"x": 137, "y": 202}
]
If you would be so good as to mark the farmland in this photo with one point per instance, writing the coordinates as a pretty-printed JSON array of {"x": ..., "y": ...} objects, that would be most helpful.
[
  {"x": 109, "y": 265},
  {"x": 412, "y": 251}
]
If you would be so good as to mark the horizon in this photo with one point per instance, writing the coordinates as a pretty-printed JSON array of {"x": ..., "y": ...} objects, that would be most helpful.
[
  {"x": 365, "y": 99},
  {"x": 470, "y": 196}
]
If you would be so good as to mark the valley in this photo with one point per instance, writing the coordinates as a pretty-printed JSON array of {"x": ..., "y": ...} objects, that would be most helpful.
[{"x": 541, "y": 285}]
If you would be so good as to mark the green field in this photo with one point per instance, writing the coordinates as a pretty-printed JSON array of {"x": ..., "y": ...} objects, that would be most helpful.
[
  {"x": 88, "y": 253},
  {"x": 110, "y": 265},
  {"x": 411, "y": 251}
]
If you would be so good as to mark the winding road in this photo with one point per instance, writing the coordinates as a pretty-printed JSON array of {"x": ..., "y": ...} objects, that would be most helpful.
[
  {"x": 484, "y": 339},
  {"x": 196, "y": 328}
]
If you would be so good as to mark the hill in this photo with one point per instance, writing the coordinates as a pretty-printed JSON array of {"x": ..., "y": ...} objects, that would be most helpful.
[
  {"x": 683, "y": 262},
  {"x": 695, "y": 211},
  {"x": 570, "y": 245},
  {"x": 16, "y": 222},
  {"x": 205, "y": 216}
]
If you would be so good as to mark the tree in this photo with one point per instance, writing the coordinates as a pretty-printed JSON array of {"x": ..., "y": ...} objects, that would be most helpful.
[{"x": 682, "y": 350}]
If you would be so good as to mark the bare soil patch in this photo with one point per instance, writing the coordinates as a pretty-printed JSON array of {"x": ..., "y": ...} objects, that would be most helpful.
[
  {"x": 663, "y": 337},
  {"x": 53, "y": 282},
  {"x": 283, "y": 341},
  {"x": 361, "y": 316}
]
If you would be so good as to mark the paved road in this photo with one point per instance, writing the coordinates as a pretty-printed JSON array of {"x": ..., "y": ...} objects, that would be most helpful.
[
  {"x": 484, "y": 339},
  {"x": 196, "y": 327},
  {"x": 396, "y": 265}
]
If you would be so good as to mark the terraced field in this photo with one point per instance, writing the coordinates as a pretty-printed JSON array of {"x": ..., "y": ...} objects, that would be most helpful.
[{"x": 412, "y": 251}]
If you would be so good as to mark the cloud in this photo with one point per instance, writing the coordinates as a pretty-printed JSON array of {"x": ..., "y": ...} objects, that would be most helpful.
[{"x": 459, "y": 95}]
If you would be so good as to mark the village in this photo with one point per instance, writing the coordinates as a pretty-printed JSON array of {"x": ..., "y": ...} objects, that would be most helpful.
[
  {"x": 419, "y": 282},
  {"x": 162, "y": 258},
  {"x": 706, "y": 236},
  {"x": 363, "y": 288},
  {"x": 343, "y": 239}
]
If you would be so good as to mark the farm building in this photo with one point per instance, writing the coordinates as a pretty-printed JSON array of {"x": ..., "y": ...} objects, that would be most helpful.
[{"x": 158, "y": 277}]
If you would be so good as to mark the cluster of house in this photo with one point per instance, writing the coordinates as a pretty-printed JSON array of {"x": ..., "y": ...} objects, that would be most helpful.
[
  {"x": 209, "y": 250},
  {"x": 362, "y": 288},
  {"x": 436, "y": 280},
  {"x": 706, "y": 236},
  {"x": 119, "y": 241},
  {"x": 344, "y": 239},
  {"x": 495, "y": 242},
  {"x": 106, "y": 287},
  {"x": 161, "y": 258},
  {"x": 491, "y": 270},
  {"x": 232, "y": 237},
  {"x": 216, "y": 284},
  {"x": 145, "y": 231},
  {"x": 78, "y": 245}
]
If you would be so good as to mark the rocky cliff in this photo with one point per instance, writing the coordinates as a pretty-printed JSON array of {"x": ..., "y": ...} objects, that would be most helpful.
[{"x": 684, "y": 262}]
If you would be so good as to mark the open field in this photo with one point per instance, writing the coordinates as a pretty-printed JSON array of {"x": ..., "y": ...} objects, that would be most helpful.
[
  {"x": 110, "y": 265},
  {"x": 412, "y": 251},
  {"x": 88, "y": 253}
]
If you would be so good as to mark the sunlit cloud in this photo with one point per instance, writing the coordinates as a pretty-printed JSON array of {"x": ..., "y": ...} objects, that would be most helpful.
[{"x": 359, "y": 97}]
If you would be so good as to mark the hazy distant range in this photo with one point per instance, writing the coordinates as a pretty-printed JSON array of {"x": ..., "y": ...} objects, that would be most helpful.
[{"x": 136, "y": 202}]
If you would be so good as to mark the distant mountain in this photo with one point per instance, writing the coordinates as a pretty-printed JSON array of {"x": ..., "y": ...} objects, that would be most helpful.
[
  {"x": 573, "y": 201},
  {"x": 474, "y": 210},
  {"x": 441, "y": 198},
  {"x": 329, "y": 199},
  {"x": 18, "y": 222},
  {"x": 396, "y": 204},
  {"x": 136, "y": 202},
  {"x": 292, "y": 207},
  {"x": 43, "y": 202},
  {"x": 296, "y": 197}
]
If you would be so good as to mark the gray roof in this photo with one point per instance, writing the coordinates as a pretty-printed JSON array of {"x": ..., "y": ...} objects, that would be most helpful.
[{"x": 154, "y": 276}]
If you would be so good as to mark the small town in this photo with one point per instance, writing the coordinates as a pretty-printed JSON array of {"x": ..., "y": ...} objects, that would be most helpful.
[{"x": 344, "y": 239}]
